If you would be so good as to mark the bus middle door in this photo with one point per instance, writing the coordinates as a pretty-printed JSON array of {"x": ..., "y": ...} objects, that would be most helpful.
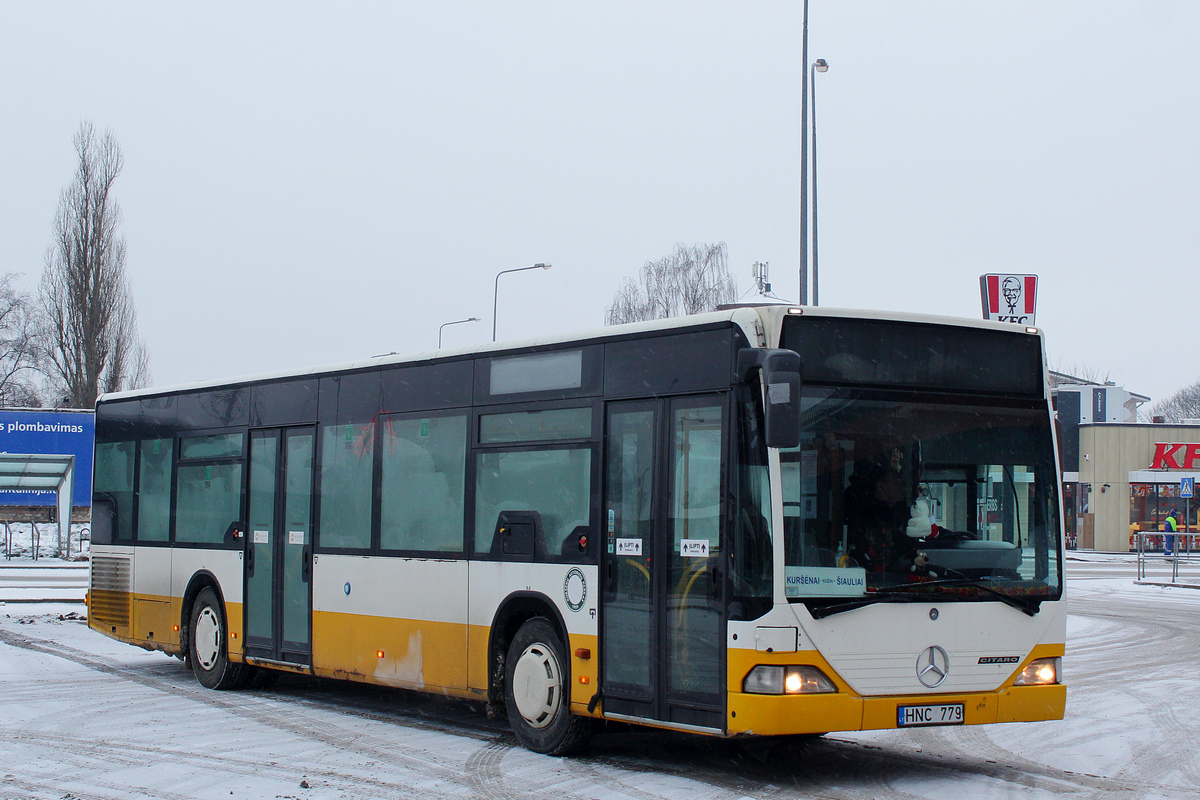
[{"x": 278, "y": 600}]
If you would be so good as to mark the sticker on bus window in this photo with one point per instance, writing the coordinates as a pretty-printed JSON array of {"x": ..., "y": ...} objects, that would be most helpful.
[
  {"x": 629, "y": 547},
  {"x": 262, "y": 537},
  {"x": 824, "y": 581},
  {"x": 693, "y": 548},
  {"x": 295, "y": 537}
]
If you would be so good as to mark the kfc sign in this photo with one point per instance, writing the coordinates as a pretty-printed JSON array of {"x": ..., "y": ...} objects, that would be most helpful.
[
  {"x": 1176, "y": 455},
  {"x": 1009, "y": 298}
]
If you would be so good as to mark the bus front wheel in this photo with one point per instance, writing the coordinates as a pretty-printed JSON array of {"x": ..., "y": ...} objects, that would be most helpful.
[
  {"x": 207, "y": 645},
  {"x": 537, "y": 691}
]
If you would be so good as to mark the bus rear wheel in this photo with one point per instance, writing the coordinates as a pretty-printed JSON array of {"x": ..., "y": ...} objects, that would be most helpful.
[
  {"x": 537, "y": 692},
  {"x": 207, "y": 645}
]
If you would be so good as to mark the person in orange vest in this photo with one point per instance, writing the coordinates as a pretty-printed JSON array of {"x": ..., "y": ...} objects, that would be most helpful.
[{"x": 1169, "y": 528}]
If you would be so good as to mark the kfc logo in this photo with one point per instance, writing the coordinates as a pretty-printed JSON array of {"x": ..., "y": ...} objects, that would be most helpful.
[
  {"x": 1175, "y": 455},
  {"x": 1009, "y": 298}
]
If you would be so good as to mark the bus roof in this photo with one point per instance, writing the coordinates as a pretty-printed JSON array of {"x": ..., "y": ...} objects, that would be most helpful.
[{"x": 744, "y": 315}]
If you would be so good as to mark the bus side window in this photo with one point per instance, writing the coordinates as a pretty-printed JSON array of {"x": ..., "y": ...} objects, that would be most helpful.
[
  {"x": 421, "y": 488},
  {"x": 114, "y": 482},
  {"x": 104, "y": 518},
  {"x": 554, "y": 482}
]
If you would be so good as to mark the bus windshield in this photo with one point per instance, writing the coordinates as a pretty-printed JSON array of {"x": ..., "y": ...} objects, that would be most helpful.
[{"x": 910, "y": 496}]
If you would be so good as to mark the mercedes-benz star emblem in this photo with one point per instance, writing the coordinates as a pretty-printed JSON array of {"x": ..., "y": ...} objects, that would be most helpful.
[{"x": 933, "y": 665}]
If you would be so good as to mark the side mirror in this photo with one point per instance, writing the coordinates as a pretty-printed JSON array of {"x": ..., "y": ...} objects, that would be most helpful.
[{"x": 781, "y": 371}]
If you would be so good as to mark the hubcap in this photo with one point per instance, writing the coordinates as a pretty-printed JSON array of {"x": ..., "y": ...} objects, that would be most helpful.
[
  {"x": 208, "y": 637},
  {"x": 537, "y": 685}
]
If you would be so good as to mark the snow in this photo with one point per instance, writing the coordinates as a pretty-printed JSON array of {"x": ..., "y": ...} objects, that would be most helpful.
[
  {"x": 18, "y": 538},
  {"x": 83, "y": 716}
]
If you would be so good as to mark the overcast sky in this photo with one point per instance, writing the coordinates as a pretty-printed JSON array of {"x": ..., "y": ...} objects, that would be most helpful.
[{"x": 318, "y": 183}]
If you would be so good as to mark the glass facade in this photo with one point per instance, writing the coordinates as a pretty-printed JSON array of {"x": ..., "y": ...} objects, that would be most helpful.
[{"x": 1149, "y": 505}]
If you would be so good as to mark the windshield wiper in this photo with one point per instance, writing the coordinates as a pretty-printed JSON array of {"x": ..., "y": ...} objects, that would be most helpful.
[
  {"x": 867, "y": 599},
  {"x": 1029, "y": 605},
  {"x": 906, "y": 593}
]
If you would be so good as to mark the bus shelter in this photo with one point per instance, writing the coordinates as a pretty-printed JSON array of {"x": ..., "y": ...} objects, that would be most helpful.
[{"x": 40, "y": 472}]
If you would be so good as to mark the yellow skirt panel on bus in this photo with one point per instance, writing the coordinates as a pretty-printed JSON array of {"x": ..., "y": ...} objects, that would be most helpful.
[
  {"x": 153, "y": 621},
  {"x": 477, "y": 666},
  {"x": 585, "y": 679},
  {"x": 234, "y": 620},
  {"x": 406, "y": 653}
]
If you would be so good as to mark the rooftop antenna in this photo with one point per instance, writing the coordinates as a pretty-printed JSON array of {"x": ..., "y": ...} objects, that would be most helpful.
[{"x": 761, "y": 283}]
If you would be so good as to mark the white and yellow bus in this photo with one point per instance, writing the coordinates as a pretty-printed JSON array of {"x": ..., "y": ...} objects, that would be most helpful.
[{"x": 760, "y": 521}]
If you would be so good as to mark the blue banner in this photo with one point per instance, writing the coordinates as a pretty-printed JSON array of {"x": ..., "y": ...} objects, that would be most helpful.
[{"x": 50, "y": 433}]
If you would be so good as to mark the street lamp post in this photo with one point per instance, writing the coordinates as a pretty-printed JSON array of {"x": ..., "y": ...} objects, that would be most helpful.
[
  {"x": 820, "y": 65},
  {"x": 455, "y": 322},
  {"x": 496, "y": 290},
  {"x": 804, "y": 162}
]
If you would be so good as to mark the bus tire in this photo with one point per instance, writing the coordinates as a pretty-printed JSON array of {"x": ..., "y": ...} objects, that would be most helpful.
[
  {"x": 207, "y": 649},
  {"x": 537, "y": 692}
]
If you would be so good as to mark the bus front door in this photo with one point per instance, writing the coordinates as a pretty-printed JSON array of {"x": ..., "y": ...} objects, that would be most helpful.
[
  {"x": 663, "y": 628},
  {"x": 278, "y": 603}
]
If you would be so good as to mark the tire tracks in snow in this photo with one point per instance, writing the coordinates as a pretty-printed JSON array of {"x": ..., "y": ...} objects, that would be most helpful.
[
  {"x": 621, "y": 765},
  {"x": 1163, "y": 637},
  {"x": 273, "y": 715}
]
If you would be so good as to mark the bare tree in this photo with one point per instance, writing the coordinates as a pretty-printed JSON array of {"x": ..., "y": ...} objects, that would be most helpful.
[
  {"x": 1081, "y": 373},
  {"x": 19, "y": 351},
  {"x": 1184, "y": 404},
  {"x": 689, "y": 281},
  {"x": 90, "y": 327}
]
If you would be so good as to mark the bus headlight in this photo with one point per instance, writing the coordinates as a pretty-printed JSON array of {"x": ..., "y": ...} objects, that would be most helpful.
[
  {"x": 1040, "y": 672},
  {"x": 765, "y": 679}
]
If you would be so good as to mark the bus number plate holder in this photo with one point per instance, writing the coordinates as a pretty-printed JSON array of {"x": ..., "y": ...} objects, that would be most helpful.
[{"x": 943, "y": 714}]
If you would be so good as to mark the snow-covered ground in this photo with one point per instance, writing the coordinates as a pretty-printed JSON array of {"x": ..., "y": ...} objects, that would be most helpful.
[
  {"x": 82, "y": 716},
  {"x": 18, "y": 540},
  {"x": 44, "y": 580}
]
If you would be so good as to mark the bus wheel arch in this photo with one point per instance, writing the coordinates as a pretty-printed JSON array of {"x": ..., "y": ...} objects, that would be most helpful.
[
  {"x": 201, "y": 580},
  {"x": 537, "y": 690},
  {"x": 510, "y": 615},
  {"x": 513, "y": 612},
  {"x": 204, "y": 639}
]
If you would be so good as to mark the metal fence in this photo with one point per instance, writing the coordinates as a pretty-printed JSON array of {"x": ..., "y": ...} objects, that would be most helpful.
[
  {"x": 35, "y": 540},
  {"x": 1185, "y": 559}
]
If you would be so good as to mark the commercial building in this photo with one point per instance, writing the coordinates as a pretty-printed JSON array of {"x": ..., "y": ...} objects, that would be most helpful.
[
  {"x": 1120, "y": 475},
  {"x": 1130, "y": 475}
]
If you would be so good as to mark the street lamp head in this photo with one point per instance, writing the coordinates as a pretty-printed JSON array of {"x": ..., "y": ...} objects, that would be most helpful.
[
  {"x": 473, "y": 319},
  {"x": 496, "y": 288},
  {"x": 821, "y": 65}
]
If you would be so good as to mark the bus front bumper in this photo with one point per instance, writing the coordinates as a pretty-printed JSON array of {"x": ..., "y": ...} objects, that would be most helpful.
[{"x": 775, "y": 715}]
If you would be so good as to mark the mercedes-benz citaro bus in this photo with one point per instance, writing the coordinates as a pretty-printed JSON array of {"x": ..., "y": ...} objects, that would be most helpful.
[{"x": 760, "y": 521}]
